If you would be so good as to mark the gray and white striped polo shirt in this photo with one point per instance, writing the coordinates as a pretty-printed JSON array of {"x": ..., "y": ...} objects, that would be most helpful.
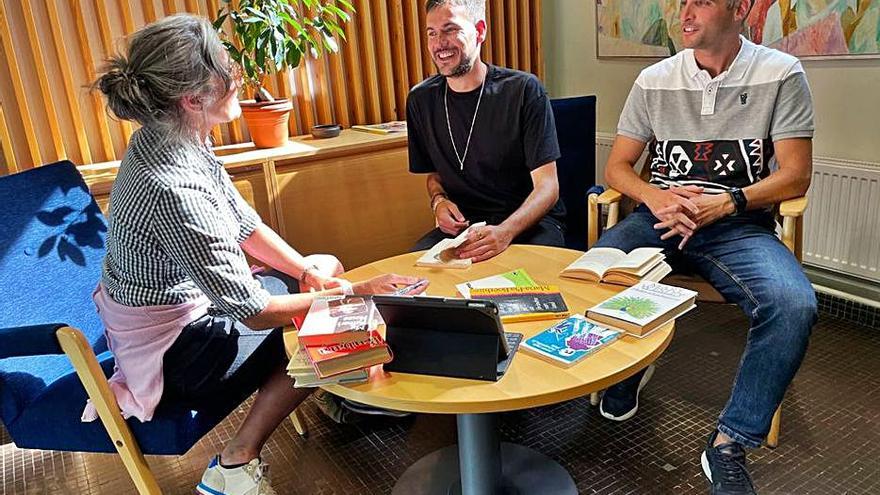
[
  {"x": 718, "y": 133},
  {"x": 176, "y": 224}
]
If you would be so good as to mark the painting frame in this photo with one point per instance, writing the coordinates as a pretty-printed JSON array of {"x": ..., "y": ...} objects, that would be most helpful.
[{"x": 656, "y": 52}]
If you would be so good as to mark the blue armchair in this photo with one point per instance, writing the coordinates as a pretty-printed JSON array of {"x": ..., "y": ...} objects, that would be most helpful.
[
  {"x": 53, "y": 354},
  {"x": 576, "y": 130}
]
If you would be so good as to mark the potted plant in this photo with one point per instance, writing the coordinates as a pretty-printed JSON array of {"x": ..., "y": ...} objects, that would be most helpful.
[{"x": 268, "y": 36}]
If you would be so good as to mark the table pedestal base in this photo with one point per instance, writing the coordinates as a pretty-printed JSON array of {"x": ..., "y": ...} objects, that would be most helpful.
[{"x": 489, "y": 467}]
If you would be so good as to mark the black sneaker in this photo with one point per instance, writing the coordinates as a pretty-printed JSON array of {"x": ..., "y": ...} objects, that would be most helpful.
[
  {"x": 620, "y": 402},
  {"x": 361, "y": 408},
  {"x": 725, "y": 466}
]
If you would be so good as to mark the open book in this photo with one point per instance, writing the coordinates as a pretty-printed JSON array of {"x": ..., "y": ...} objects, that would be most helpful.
[
  {"x": 442, "y": 254},
  {"x": 617, "y": 267}
]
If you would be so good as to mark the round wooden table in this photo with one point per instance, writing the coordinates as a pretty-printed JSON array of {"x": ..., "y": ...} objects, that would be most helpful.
[{"x": 480, "y": 464}]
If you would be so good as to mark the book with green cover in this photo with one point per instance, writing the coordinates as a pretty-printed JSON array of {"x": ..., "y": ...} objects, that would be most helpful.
[
  {"x": 513, "y": 278},
  {"x": 643, "y": 307}
]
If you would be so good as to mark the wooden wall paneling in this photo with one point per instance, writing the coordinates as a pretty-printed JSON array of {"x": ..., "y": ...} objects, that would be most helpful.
[
  {"x": 320, "y": 90},
  {"x": 107, "y": 44},
  {"x": 211, "y": 14},
  {"x": 510, "y": 35},
  {"x": 427, "y": 63},
  {"x": 537, "y": 45},
  {"x": 192, "y": 6},
  {"x": 354, "y": 75},
  {"x": 21, "y": 96},
  {"x": 6, "y": 145},
  {"x": 89, "y": 64},
  {"x": 525, "y": 39},
  {"x": 398, "y": 58},
  {"x": 304, "y": 98},
  {"x": 341, "y": 104},
  {"x": 486, "y": 50},
  {"x": 128, "y": 26},
  {"x": 284, "y": 91},
  {"x": 382, "y": 43},
  {"x": 367, "y": 60},
  {"x": 149, "y": 10},
  {"x": 496, "y": 26},
  {"x": 170, "y": 7},
  {"x": 70, "y": 89},
  {"x": 39, "y": 64},
  {"x": 413, "y": 42}
]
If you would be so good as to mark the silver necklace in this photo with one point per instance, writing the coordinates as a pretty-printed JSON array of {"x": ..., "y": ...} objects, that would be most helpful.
[{"x": 462, "y": 158}]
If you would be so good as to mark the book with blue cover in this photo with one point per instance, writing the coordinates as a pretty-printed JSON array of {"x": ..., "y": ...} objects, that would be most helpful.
[{"x": 569, "y": 341}]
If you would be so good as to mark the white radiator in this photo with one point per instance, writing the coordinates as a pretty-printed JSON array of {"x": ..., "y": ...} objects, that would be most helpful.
[
  {"x": 842, "y": 222},
  {"x": 603, "y": 149}
]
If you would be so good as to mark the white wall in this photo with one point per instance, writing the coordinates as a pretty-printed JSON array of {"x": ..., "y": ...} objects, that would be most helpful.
[{"x": 846, "y": 93}]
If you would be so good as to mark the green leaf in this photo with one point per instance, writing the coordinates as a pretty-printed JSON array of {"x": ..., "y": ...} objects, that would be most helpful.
[{"x": 218, "y": 24}]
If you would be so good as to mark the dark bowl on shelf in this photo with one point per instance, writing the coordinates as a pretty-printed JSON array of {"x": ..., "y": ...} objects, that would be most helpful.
[{"x": 326, "y": 131}]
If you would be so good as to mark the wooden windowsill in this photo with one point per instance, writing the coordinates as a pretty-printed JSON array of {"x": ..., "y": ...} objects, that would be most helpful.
[{"x": 244, "y": 157}]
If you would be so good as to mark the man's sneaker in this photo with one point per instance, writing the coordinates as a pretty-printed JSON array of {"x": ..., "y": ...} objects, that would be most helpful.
[
  {"x": 344, "y": 411},
  {"x": 725, "y": 466},
  {"x": 361, "y": 408},
  {"x": 250, "y": 479},
  {"x": 620, "y": 402}
]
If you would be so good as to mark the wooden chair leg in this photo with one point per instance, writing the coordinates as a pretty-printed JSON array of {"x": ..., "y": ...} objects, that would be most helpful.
[
  {"x": 299, "y": 423},
  {"x": 772, "y": 439},
  {"x": 89, "y": 371},
  {"x": 594, "y": 399}
]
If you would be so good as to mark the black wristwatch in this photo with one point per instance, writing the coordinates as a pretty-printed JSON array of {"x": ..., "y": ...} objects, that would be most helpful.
[{"x": 739, "y": 199}]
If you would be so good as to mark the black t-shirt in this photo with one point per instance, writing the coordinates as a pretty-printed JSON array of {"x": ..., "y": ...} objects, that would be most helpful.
[{"x": 514, "y": 134}]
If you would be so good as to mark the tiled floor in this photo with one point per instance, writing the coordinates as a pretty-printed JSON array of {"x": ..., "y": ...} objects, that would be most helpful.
[{"x": 830, "y": 433}]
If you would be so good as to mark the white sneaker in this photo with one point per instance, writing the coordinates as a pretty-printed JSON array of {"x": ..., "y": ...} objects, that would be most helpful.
[{"x": 250, "y": 479}]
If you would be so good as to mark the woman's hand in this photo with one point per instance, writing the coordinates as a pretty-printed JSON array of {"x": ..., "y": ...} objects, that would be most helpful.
[
  {"x": 318, "y": 281},
  {"x": 387, "y": 284}
]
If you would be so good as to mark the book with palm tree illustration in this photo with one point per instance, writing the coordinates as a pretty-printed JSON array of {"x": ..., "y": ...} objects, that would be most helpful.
[{"x": 643, "y": 307}]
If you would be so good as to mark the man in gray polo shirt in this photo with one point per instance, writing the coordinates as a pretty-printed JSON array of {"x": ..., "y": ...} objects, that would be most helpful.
[{"x": 729, "y": 126}]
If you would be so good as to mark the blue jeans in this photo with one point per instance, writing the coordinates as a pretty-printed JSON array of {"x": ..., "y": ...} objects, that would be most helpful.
[{"x": 744, "y": 260}]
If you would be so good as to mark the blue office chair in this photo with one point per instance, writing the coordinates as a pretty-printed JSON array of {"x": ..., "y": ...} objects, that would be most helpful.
[
  {"x": 53, "y": 354},
  {"x": 576, "y": 130}
]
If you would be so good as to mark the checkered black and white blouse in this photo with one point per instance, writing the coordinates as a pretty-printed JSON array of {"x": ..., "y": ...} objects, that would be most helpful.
[{"x": 176, "y": 225}]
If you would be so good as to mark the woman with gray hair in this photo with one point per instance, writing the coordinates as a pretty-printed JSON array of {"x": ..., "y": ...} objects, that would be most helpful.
[{"x": 181, "y": 307}]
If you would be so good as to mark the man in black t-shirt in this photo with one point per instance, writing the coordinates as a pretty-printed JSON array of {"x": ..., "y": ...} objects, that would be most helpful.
[{"x": 485, "y": 136}]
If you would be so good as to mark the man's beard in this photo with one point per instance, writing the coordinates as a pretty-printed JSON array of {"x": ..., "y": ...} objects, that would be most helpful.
[{"x": 461, "y": 69}]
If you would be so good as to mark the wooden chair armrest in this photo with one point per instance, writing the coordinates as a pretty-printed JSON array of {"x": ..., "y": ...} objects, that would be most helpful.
[
  {"x": 609, "y": 196},
  {"x": 793, "y": 207}
]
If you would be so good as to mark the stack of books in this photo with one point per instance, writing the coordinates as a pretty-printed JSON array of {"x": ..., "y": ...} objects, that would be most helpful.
[
  {"x": 338, "y": 341},
  {"x": 617, "y": 267}
]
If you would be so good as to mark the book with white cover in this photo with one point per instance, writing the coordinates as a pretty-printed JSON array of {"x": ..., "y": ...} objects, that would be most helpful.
[
  {"x": 442, "y": 254},
  {"x": 643, "y": 307}
]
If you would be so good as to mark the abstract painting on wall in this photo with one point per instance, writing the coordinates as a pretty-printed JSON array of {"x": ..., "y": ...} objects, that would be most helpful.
[{"x": 805, "y": 28}]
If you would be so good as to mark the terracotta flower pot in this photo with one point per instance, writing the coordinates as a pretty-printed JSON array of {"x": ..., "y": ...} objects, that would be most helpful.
[{"x": 267, "y": 121}]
